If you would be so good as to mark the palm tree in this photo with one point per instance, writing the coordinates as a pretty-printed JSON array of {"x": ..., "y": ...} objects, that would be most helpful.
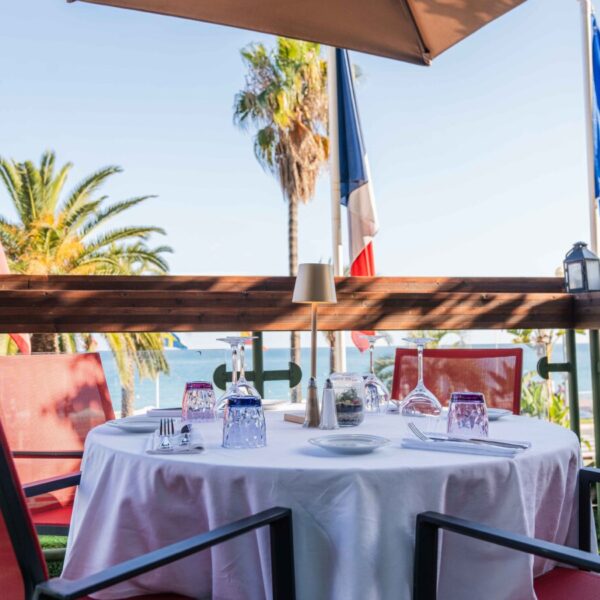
[
  {"x": 65, "y": 234},
  {"x": 285, "y": 100}
]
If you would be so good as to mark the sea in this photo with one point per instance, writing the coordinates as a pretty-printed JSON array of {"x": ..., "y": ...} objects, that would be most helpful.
[{"x": 192, "y": 365}]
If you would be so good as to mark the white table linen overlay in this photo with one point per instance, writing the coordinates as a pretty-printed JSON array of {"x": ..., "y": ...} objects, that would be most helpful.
[{"x": 354, "y": 516}]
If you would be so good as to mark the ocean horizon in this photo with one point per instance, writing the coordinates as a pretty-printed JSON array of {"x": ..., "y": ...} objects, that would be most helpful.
[{"x": 200, "y": 364}]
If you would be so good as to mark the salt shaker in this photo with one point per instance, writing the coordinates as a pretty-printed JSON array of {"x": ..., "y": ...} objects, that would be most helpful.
[{"x": 328, "y": 409}]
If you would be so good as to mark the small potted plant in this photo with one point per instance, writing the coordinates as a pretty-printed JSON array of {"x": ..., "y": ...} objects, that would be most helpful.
[{"x": 349, "y": 391}]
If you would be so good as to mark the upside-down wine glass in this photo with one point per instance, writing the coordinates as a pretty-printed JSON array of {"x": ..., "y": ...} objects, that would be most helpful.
[
  {"x": 239, "y": 384},
  {"x": 420, "y": 402},
  {"x": 377, "y": 395},
  {"x": 244, "y": 387}
]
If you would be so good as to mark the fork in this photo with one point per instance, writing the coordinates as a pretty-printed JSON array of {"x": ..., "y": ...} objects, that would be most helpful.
[
  {"x": 167, "y": 429},
  {"x": 425, "y": 438},
  {"x": 418, "y": 433}
]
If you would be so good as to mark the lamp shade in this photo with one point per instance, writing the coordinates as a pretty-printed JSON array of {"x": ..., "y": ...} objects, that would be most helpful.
[{"x": 314, "y": 283}]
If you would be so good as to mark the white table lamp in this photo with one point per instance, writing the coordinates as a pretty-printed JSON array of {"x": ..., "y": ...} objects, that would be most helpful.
[{"x": 314, "y": 285}]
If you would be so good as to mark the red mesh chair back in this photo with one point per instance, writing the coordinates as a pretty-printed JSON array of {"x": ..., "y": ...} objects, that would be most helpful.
[
  {"x": 22, "y": 564},
  {"x": 494, "y": 372},
  {"x": 49, "y": 403}
]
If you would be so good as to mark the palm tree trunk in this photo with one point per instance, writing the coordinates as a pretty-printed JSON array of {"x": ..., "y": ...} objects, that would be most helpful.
[
  {"x": 333, "y": 350},
  {"x": 127, "y": 389},
  {"x": 296, "y": 394},
  {"x": 44, "y": 342}
]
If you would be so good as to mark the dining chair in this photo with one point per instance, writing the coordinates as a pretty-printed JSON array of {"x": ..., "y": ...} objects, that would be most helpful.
[
  {"x": 24, "y": 575},
  {"x": 48, "y": 404},
  {"x": 495, "y": 372},
  {"x": 558, "y": 584}
]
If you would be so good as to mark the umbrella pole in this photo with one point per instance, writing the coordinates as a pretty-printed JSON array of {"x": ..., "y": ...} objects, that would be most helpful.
[
  {"x": 588, "y": 77},
  {"x": 336, "y": 209}
]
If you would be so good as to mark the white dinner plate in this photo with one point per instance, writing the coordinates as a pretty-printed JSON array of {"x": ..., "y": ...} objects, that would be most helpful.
[
  {"x": 497, "y": 413},
  {"x": 350, "y": 443},
  {"x": 135, "y": 424}
]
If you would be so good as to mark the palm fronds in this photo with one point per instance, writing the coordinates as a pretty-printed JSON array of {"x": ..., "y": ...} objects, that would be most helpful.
[
  {"x": 66, "y": 234},
  {"x": 285, "y": 100}
]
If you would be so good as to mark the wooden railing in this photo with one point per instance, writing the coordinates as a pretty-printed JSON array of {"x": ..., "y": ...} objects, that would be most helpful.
[{"x": 234, "y": 303}]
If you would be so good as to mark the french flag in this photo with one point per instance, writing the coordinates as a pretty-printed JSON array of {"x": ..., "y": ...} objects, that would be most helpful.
[{"x": 356, "y": 193}]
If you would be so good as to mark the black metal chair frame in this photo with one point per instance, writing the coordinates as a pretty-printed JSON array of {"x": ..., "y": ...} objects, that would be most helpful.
[
  {"x": 44, "y": 454},
  {"x": 429, "y": 524},
  {"x": 37, "y": 587}
]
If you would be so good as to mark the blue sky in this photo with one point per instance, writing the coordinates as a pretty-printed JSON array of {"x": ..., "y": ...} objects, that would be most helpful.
[{"x": 478, "y": 161}]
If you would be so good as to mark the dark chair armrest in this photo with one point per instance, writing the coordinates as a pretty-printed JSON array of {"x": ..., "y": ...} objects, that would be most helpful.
[
  {"x": 426, "y": 549},
  {"x": 51, "y": 484},
  {"x": 587, "y": 476},
  {"x": 279, "y": 520},
  {"x": 47, "y": 454}
]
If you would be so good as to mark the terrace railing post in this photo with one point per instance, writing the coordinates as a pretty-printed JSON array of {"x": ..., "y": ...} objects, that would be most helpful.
[
  {"x": 595, "y": 369},
  {"x": 571, "y": 354},
  {"x": 258, "y": 376},
  {"x": 544, "y": 368},
  {"x": 257, "y": 363}
]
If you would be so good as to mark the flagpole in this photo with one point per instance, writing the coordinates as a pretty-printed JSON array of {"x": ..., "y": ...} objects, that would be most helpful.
[
  {"x": 589, "y": 99},
  {"x": 588, "y": 76},
  {"x": 336, "y": 209}
]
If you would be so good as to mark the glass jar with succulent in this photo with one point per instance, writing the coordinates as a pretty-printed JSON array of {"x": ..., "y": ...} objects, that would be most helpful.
[{"x": 349, "y": 389}]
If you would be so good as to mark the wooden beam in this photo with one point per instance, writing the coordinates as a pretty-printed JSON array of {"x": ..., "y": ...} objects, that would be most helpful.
[
  {"x": 587, "y": 311},
  {"x": 234, "y": 303},
  {"x": 248, "y": 283}
]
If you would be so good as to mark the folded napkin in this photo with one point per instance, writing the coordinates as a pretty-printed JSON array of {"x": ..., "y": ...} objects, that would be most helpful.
[
  {"x": 196, "y": 445},
  {"x": 460, "y": 447},
  {"x": 164, "y": 412}
]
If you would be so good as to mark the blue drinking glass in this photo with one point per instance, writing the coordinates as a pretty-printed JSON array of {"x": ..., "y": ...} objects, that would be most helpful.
[{"x": 244, "y": 423}]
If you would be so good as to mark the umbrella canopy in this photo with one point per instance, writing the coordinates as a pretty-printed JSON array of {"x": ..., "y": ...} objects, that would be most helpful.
[{"x": 414, "y": 31}]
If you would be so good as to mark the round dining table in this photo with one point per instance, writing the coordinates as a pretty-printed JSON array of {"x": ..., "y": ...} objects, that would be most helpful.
[{"x": 353, "y": 516}]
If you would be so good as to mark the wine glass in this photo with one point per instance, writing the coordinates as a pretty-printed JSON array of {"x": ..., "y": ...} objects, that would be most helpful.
[
  {"x": 243, "y": 386},
  {"x": 420, "y": 402},
  {"x": 377, "y": 395},
  {"x": 239, "y": 384}
]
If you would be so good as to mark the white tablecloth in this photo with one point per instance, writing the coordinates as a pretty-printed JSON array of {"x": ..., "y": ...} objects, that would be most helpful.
[{"x": 354, "y": 516}]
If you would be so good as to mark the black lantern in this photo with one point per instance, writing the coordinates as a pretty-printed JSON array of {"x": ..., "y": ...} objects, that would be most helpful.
[{"x": 582, "y": 269}]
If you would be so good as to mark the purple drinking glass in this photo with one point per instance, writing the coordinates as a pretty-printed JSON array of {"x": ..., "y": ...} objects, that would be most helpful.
[
  {"x": 467, "y": 415},
  {"x": 199, "y": 403}
]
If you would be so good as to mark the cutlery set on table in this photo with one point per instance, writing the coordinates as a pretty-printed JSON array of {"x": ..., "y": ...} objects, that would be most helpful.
[
  {"x": 174, "y": 437},
  {"x": 169, "y": 435},
  {"x": 441, "y": 442}
]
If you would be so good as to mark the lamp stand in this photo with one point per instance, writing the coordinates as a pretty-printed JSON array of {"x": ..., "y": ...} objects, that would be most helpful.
[{"x": 311, "y": 418}]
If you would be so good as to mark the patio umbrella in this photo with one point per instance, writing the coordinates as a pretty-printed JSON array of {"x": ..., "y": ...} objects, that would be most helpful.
[{"x": 413, "y": 31}]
